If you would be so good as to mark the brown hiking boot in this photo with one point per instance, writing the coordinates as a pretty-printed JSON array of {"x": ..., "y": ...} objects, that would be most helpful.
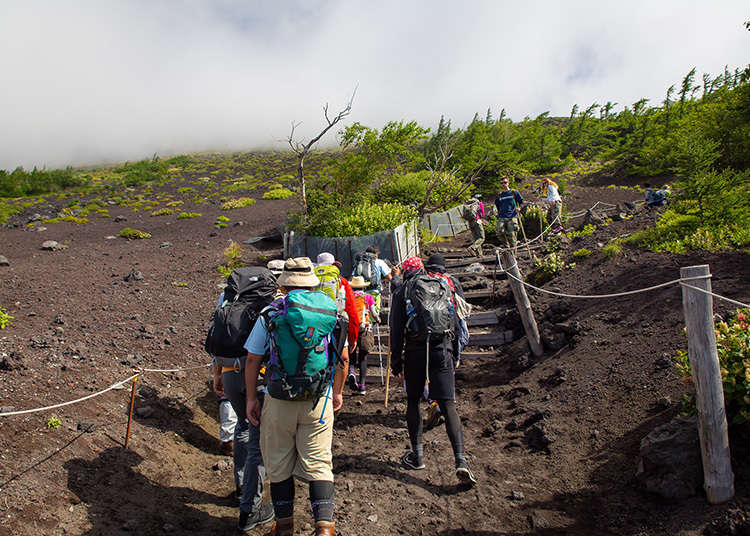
[
  {"x": 284, "y": 526},
  {"x": 324, "y": 528}
]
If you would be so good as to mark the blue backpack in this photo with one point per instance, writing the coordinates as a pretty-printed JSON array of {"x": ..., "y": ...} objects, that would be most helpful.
[{"x": 303, "y": 352}]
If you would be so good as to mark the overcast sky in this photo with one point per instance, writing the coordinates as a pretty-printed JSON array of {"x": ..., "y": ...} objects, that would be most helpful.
[{"x": 92, "y": 81}]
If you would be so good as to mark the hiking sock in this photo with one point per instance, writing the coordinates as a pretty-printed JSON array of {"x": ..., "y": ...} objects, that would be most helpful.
[
  {"x": 282, "y": 496},
  {"x": 452, "y": 424},
  {"x": 414, "y": 424},
  {"x": 321, "y": 499}
]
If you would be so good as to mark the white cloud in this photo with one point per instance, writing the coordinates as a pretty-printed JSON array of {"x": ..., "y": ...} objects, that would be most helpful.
[{"x": 104, "y": 80}]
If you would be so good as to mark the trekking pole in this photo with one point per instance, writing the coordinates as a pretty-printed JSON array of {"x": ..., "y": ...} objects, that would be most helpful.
[
  {"x": 388, "y": 356},
  {"x": 130, "y": 414},
  {"x": 520, "y": 224},
  {"x": 329, "y": 392},
  {"x": 380, "y": 351}
]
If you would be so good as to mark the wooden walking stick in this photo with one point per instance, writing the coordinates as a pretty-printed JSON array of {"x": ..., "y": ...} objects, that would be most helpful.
[{"x": 130, "y": 414}]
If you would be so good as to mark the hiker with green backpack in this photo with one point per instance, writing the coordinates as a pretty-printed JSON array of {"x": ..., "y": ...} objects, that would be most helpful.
[
  {"x": 339, "y": 289},
  {"x": 423, "y": 347},
  {"x": 305, "y": 347}
]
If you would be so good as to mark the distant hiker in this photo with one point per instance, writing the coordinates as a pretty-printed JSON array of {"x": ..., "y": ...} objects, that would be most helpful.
[
  {"x": 508, "y": 204},
  {"x": 657, "y": 198},
  {"x": 422, "y": 348},
  {"x": 554, "y": 204},
  {"x": 374, "y": 270},
  {"x": 473, "y": 212},
  {"x": 247, "y": 292},
  {"x": 299, "y": 333},
  {"x": 338, "y": 288},
  {"x": 366, "y": 342}
]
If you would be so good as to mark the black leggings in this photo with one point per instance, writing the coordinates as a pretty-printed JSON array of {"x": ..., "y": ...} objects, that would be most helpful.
[{"x": 452, "y": 424}]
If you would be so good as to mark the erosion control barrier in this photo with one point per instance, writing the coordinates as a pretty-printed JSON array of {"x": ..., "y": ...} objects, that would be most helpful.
[
  {"x": 447, "y": 223},
  {"x": 394, "y": 245}
]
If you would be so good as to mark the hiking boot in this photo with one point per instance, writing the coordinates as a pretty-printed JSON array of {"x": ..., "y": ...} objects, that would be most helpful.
[
  {"x": 464, "y": 474},
  {"x": 433, "y": 416},
  {"x": 361, "y": 390},
  {"x": 412, "y": 461},
  {"x": 226, "y": 448},
  {"x": 351, "y": 381},
  {"x": 284, "y": 526},
  {"x": 324, "y": 528},
  {"x": 263, "y": 515}
]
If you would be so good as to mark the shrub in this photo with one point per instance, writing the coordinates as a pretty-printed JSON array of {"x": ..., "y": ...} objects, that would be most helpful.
[
  {"x": 547, "y": 268},
  {"x": 175, "y": 203},
  {"x": 53, "y": 423},
  {"x": 587, "y": 230},
  {"x": 232, "y": 258},
  {"x": 534, "y": 220},
  {"x": 140, "y": 173},
  {"x": 188, "y": 215},
  {"x": 278, "y": 193},
  {"x": 582, "y": 253},
  {"x": 240, "y": 202},
  {"x": 613, "y": 249},
  {"x": 133, "y": 234},
  {"x": 67, "y": 218},
  {"x": 21, "y": 183},
  {"x": 162, "y": 212},
  {"x": 7, "y": 210},
  {"x": 5, "y": 318},
  {"x": 733, "y": 347},
  {"x": 362, "y": 219},
  {"x": 187, "y": 190}
]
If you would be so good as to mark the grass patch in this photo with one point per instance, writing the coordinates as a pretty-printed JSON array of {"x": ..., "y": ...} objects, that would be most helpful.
[
  {"x": 240, "y": 202},
  {"x": 232, "y": 258},
  {"x": 162, "y": 212},
  {"x": 188, "y": 215},
  {"x": 278, "y": 193},
  {"x": 133, "y": 234},
  {"x": 582, "y": 253},
  {"x": 613, "y": 249}
]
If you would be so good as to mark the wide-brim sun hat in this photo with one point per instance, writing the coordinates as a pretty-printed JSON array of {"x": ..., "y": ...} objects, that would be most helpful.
[
  {"x": 358, "y": 282},
  {"x": 298, "y": 272},
  {"x": 276, "y": 266}
]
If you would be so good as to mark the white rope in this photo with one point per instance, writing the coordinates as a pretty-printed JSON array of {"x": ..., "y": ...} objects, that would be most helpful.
[
  {"x": 113, "y": 386},
  {"x": 715, "y": 295}
]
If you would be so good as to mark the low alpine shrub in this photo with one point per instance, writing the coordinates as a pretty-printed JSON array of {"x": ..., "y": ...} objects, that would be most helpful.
[
  {"x": 240, "y": 202},
  {"x": 5, "y": 318},
  {"x": 162, "y": 212},
  {"x": 133, "y": 234},
  {"x": 278, "y": 193},
  {"x": 188, "y": 215},
  {"x": 582, "y": 253}
]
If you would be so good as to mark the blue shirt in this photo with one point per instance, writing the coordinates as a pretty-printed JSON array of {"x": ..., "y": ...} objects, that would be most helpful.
[{"x": 507, "y": 202}]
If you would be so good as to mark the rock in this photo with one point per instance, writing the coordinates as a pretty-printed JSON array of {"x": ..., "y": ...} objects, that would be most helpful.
[
  {"x": 4, "y": 261},
  {"x": 631, "y": 207},
  {"x": 663, "y": 363},
  {"x": 516, "y": 392},
  {"x": 619, "y": 216},
  {"x": 119, "y": 219},
  {"x": 165, "y": 245},
  {"x": 40, "y": 229},
  {"x": 133, "y": 275},
  {"x": 516, "y": 495},
  {"x": 476, "y": 267},
  {"x": 663, "y": 403},
  {"x": 373, "y": 518},
  {"x": 552, "y": 338},
  {"x": 557, "y": 312},
  {"x": 519, "y": 355},
  {"x": 131, "y": 525},
  {"x": 35, "y": 217},
  {"x": 349, "y": 486},
  {"x": 86, "y": 427},
  {"x": 51, "y": 245},
  {"x": 144, "y": 412},
  {"x": 553, "y": 380},
  {"x": 539, "y": 438},
  {"x": 223, "y": 465},
  {"x": 7, "y": 409},
  {"x": 538, "y": 521},
  {"x": 670, "y": 460},
  {"x": 591, "y": 217}
]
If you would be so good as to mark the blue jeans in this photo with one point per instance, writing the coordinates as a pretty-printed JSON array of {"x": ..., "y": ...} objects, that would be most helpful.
[{"x": 249, "y": 471}]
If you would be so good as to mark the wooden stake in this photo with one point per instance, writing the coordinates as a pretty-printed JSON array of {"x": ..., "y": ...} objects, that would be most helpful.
[
  {"x": 709, "y": 394},
  {"x": 523, "y": 304},
  {"x": 130, "y": 413}
]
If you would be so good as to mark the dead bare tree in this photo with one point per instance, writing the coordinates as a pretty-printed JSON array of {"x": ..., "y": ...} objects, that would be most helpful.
[
  {"x": 441, "y": 171},
  {"x": 302, "y": 149}
]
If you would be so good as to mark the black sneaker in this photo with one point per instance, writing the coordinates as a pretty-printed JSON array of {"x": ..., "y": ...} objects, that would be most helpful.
[
  {"x": 412, "y": 461},
  {"x": 248, "y": 522},
  {"x": 351, "y": 381},
  {"x": 464, "y": 474}
]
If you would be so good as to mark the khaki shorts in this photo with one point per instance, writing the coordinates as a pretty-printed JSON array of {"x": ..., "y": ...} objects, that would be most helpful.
[{"x": 294, "y": 443}]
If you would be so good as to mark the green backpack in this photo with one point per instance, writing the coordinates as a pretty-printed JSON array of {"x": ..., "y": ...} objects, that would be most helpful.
[
  {"x": 328, "y": 275},
  {"x": 303, "y": 352}
]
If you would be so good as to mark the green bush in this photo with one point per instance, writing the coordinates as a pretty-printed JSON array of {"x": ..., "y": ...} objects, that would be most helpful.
[
  {"x": 232, "y": 258},
  {"x": 188, "y": 215},
  {"x": 582, "y": 253},
  {"x": 733, "y": 347},
  {"x": 133, "y": 234},
  {"x": 613, "y": 249},
  {"x": 140, "y": 173},
  {"x": 405, "y": 189},
  {"x": 587, "y": 230},
  {"x": 240, "y": 202},
  {"x": 547, "y": 268},
  {"x": 20, "y": 183},
  {"x": 363, "y": 219},
  {"x": 278, "y": 193},
  {"x": 162, "y": 212},
  {"x": 534, "y": 220},
  {"x": 5, "y": 318}
]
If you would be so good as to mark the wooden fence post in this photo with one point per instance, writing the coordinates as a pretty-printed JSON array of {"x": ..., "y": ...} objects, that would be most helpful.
[
  {"x": 709, "y": 394},
  {"x": 523, "y": 304}
]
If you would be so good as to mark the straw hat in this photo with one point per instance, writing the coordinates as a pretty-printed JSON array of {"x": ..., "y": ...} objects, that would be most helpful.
[
  {"x": 359, "y": 282},
  {"x": 276, "y": 266},
  {"x": 298, "y": 272}
]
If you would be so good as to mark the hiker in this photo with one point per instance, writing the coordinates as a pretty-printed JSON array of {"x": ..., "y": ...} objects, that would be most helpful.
[
  {"x": 508, "y": 204},
  {"x": 338, "y": 288},
  {"x": 373, "y": 270},
  {"x": 422, "y": 348},
  {"x": 303, "y": 390},
  {"x": 657, "y": 198},
  {"x": 366, "y": 342},
  {"x": 473, "y": 212},
  {"x": 247, "y": 292},
  {"x": 554, "y": 203}
]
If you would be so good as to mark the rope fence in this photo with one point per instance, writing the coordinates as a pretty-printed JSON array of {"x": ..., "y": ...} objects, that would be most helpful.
[{"x": 115, "y": 385}]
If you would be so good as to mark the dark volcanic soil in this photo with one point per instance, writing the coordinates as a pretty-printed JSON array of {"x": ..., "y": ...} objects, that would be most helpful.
[{"x": 78, "y": 327}]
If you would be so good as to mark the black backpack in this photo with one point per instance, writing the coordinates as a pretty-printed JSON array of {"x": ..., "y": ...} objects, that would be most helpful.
[
  {"x": 248, "y": 291},
  {"x": 365, "y": 265},
  {"x": 429, "y": 307}
]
